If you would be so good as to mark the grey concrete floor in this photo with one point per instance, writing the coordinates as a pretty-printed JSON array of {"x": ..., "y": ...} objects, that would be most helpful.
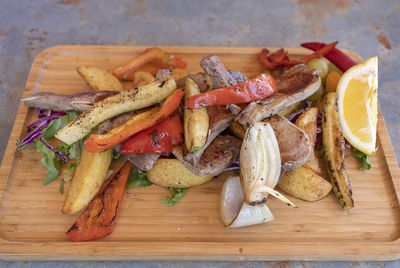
[{"x": 366, "y": 27}]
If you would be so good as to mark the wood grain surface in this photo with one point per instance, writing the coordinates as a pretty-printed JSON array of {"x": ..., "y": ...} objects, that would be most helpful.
[{"x": 32, "y": 226}]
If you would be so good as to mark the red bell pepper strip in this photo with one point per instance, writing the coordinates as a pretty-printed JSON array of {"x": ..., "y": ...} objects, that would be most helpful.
[
  {"x": 280, "y": 58},
  {"x": 257, "y": 88},
  {"x": 158, "y": 139},
  {"x": 99, "y": 143},
  {"x": 320, "y": 52},
  {"x": 336, "y": 56},
  {"x": 99, "y": 217}
]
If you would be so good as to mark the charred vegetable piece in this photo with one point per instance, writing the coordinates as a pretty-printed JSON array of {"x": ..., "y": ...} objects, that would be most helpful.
[
  {"x": 172, "y": 173},
  {"x": 237, "y": 130},
  {"x": 87, "y": 180},
  {"x": 99, "y": 79},
  {"x": 158, "y": 139},
  {"x": 124, "y": 101},
  {"x": 99, "y": 143},
  {"x": 196, "y": 121},
  {"x": 307, "y": 121},
  {"x": 257, "y": 88},
  {"x": 154, "y": 53},
  {"x": 98, "y": 219},
  {"x": 304, "y": 184},
  {"x": 141, "y": 78},
  {"x": 280, "y": 58},
  {"x": 336, "y": 56},
  {"x": 333, "y": 142}
]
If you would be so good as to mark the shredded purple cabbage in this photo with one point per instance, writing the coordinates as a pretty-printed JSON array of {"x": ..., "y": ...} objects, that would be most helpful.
[
  {"x": 233, "y": 166},
  {"x": 34, "y": 134},
  {"x": 63, "y": 158},
  {"x": 45, "y": 117},
  {"x": 293, "y": 116}
]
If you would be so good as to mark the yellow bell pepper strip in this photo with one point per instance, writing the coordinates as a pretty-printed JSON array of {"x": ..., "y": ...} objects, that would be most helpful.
[
  {"x": 99, "y": 217},
  {"x": 257, "y": 88},
  {"x": 99, "y": 143}
]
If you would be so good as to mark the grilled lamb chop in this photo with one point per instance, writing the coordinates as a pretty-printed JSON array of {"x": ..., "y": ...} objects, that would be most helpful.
[
  {"x": 294, "y": 85},
  {"x": 66, "y": 103}
]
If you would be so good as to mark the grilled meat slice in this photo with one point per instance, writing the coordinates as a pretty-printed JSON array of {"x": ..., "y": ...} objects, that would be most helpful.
[
  {"x": 238, "y": 76},
  {"x": 215, "y": 69},
  {"x": 115, "y": 122},
  {"x": 219, "y": 155},
  {"x": 144, "y": 162},
  {"x": 65, "y": 103},
  {"x": 294, "y": 85},
  {"x": 199, "y": 78},
  {"x": 220, "y": 117},
  {"x": 294, "y": 144}
]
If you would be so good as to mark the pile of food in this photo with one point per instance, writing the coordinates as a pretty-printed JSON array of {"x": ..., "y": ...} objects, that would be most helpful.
[{"x": 179, "y": 130}]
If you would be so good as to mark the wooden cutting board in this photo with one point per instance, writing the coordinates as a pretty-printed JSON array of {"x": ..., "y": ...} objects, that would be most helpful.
[{"x": 32, "y": 226}]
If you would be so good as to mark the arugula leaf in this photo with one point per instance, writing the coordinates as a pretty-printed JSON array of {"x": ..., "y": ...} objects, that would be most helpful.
[
  {"x": 177, "y": 195},
  {"x": 51, "y": 162},
  {"x": 364, "y": 158},
  {"x": 137, "y": 178},
  {"x": 72, "y": 151},
  {"x": 115, "y": 154},
  {"x": 61, "y": 188},
  {"x": 58, "y": 124},
  {"x": 236, "y": 171}
]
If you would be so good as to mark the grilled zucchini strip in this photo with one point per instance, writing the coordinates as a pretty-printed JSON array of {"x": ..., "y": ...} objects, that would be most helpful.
[{"x": 333, "y": 141}]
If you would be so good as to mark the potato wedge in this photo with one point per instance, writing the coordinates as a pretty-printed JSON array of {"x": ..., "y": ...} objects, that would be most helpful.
[
  {"x": 308, "y": 122},
  {"x": 196, "y": 121},
  {"x": 172, "y": 173},
  {"x": 178, "y": 73},
  {"x": 290, "y": 109},
  {"x": 87, "y": 179},
  {"x": 99, "y": 79},
  {"x": 333, "y": 142},
  {"x": 304, "y": 184},
  {"x": 237, "y": 130},
  {"x": 142, "y": 78}
]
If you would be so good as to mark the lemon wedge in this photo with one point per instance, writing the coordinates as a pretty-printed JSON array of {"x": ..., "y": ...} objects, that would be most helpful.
[{"x": 357, "y": 104}]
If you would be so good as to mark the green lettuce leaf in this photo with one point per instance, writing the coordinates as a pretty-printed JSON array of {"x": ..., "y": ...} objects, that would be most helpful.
[
  {"x": 364, "y": 158},
  {"x": 177, "y": 195},
  {"x": 137, "y": 178},
  {"x": 50, "y": 160},
  {"x": 58, "y": 124}
]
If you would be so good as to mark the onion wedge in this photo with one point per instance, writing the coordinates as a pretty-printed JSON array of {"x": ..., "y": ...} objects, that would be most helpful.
[
  {"x": 237, "y": 213},
  {"x": 260, "y": 165}
]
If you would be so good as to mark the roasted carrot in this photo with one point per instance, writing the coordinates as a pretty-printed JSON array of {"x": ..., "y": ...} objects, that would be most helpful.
[
  {"x": 98, "y": 143},
  {"x": 99, "y": 217}
]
